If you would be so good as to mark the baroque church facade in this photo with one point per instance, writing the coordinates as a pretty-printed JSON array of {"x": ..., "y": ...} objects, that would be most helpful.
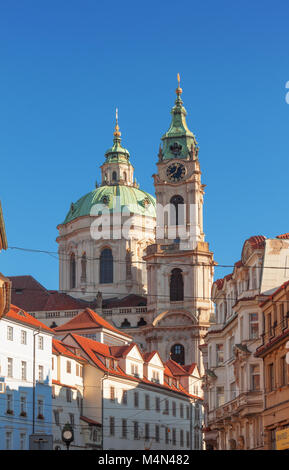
[{"x": 144, "y": 260}]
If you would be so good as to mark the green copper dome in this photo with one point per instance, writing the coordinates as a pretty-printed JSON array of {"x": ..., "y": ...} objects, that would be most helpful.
[{"x": 115, "y": 198}]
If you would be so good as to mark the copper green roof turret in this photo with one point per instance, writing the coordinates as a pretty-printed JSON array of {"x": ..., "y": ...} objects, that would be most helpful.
[
  {"x": 178, "y": 141},
  {"x": 117, "y": 153}
]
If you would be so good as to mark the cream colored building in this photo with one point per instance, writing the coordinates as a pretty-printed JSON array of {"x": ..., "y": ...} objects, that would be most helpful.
[
  {"x": 274, "y": 353},
  {"x": 234, "y": 393}
]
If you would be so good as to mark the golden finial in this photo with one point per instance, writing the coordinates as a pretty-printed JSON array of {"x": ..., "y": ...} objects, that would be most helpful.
[
  {"x": 179, "y": 90},
  {"x": 116, "y": 133}
]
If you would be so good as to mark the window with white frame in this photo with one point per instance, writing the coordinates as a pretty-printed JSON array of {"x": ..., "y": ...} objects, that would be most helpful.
[
  {"x": 8, "y": 440},
  {"x": 147, "y": 402},
  {"x": 155, "y": 376},
  {"x": 9, "y": 367},
  {"x": 134, "y": 370},
  {"x": 9, "y": 333},
  {"x": 23, "y": 440},
  {"x": 255, "y": 377},
  {"x": 40, "y": 342},
  {"x": 158, "y": 404},
  {"x": 219, "y": 354},
  {"x": 253, "y": 325},
  {"x": 233, "y": 391},
  {"x": 40, "y": 408},
  {"x": 220, "y": 396},
  {"x": 111, "y": 425},
  {"x": 23, "y": 337},
  {"x": 40, "y": 373},
  {"x": 23, "y": 404},
  {"x": 68, "y": 395},
  {"x": 23, "y": 370}
]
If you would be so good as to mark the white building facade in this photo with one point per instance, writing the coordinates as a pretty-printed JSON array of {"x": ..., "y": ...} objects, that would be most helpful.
[{"x": 25, "y": 398}]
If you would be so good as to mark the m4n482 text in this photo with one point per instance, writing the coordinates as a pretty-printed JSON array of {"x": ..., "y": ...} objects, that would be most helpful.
[{"x": 165, "y": 459}]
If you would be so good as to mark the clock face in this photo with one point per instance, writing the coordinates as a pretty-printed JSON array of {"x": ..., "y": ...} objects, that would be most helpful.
[
  {"x": 67, "y": 435},
  {"x": 176, "y": 172}
]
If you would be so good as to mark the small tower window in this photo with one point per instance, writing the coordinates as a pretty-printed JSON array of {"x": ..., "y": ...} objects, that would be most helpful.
[
  {"x": 124, "y": 176},
  {"x": 106, "y": 267},
  {"x": 176, "y": 285},
  {"x": 114, "y": 176},
  {"x": 177, "y": 210},
  {"x": 72, "y": 271},
  {"x": 178, "y": 353}
]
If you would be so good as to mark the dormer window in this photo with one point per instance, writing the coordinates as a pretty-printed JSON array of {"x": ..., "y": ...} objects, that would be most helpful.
[
  {"x": 134, "y": 370},
  {"x": 155, "y": 376}
]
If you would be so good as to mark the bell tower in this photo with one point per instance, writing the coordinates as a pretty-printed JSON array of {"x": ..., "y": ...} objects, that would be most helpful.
[{"x": 180, "y": 265}]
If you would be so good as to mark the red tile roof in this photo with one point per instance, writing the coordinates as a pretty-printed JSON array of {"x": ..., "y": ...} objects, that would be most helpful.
[
  {"x": 59, "y": 348},
  {"x": 88, "y": 319},
  {"x": 131, "y": 300},
  {"x": 190, "y": 368},
  {"x": 30, "y": 295},
  {"x": 147, "y": 356},
  {"x": 257, "y": 241},
  {"x": 16, "y": 313},
  {"x": 89, "y": 420},
  {"x": 121, "y": 351},
  {"x": 93, "y": 349},
  {"x": 283, "y": 236},
  {"x": 176, "y": 368},
  {"x": 56, "y": 382}
]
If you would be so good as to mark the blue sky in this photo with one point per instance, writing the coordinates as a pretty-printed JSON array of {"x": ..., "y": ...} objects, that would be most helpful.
[{"x": 66, "y": 66}]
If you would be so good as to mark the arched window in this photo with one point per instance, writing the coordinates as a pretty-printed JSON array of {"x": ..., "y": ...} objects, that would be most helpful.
[
  {"x": 83, "y": 268},
  {"x": 176, "y": 285},
  {"x": 72, "y": 271},
  {"x": 177, "y": 214},
  {"x": 178, "y": 353},
  {"x": 114, "y": 176},
  {"x": 124, "y": 176},
  {"x": 106, "y": 267}
]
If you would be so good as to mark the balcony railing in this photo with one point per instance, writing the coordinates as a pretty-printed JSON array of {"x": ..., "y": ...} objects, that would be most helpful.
[
  {"x": 124, "y": 311},
  {"x": 244, "y": 404}
]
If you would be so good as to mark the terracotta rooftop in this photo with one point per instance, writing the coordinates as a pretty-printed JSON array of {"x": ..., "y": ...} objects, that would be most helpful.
[
  {"x": 16, "y": 313},
  {"x": 30, "y": 295},
  {"x": 256, "y": 241},
  {"x": 59, "y": 348},
  {"x": 94, "y": 349},
  {"x": 131, "y": 300},
  {"x": 283, "y": 236},
  {"x": 87, "y": 319}
]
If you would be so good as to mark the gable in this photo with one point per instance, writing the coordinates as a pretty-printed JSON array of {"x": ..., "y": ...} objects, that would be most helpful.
[{"x": 134, "y": 354}]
